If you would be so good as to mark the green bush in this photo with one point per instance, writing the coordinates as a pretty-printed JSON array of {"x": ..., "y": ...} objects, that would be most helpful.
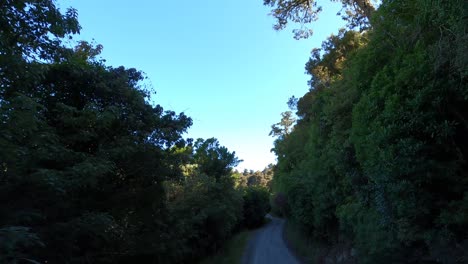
[
  {"x": 205, "y": 213},
  {"x": 279, "y": 204},
  {"x": 256, "y": 206}
]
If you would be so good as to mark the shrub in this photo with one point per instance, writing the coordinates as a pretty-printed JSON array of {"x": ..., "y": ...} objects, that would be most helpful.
[{"x": 256, "y": 206}]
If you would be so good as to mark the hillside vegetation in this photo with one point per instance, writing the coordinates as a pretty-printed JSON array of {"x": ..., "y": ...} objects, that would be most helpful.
[{"x": 377, "y": 157}]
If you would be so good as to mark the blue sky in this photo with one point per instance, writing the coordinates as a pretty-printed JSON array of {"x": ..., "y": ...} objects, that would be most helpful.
[{"x": 220, "y": 62}]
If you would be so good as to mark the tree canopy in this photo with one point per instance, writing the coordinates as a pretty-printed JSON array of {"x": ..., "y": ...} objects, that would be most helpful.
[
  {"x": 91, "y": 170},
  {"x": 356, "y": 12}
]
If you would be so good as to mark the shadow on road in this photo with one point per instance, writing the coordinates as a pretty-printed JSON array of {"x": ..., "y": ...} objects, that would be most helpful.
[{"x": 267, "y": 246}]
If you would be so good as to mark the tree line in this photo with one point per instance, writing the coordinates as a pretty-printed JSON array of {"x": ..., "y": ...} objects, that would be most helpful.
[
  {"x": 377, "y": 158},
  {"x": 90, "y": 170}
]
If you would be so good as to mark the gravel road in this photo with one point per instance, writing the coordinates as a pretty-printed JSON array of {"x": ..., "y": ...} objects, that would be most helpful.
[{"x": 268, "y": 247}]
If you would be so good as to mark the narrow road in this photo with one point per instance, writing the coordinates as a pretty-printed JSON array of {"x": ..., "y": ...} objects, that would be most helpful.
[{"x": 268, "y": 247}]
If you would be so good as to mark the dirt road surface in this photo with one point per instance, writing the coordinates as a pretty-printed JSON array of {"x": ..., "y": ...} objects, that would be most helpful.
[{"x": 268, "y": 247}]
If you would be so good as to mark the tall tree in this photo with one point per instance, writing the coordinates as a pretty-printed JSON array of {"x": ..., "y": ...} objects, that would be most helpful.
[
  {"x": 213, "y": 159},
  {"x": 89, "y": 154}
]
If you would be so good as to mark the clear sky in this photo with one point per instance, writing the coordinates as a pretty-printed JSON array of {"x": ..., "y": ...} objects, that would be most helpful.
[{"x": 220, "y": 62}]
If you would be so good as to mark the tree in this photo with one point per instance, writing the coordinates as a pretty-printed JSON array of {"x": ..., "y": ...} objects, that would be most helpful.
[
  {"x": 88, "y": 154},
  {"x": 33, "y": 29},
  {"x": 256, "y": 178},
  {"x": 30, "y": 31},
  {"x": 203, "y": 214},
  {"x": 256, "y": 205},
  {"x": 356, "y": 12},
  {"x": 214, "y": 160},
  {"x": 378, "y": 155},
  {"x": 86, "y": 159},
  {"x": 284, "y": 127}
]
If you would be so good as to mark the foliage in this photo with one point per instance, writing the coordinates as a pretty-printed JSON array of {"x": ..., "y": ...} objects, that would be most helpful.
[
  {"x": 279, "y": 204},
  {"x": 87, "y": 152},
  {"x": 378, "y": 153},
  {"x": 255, "y": 178},
  {"x": 30, "y": 31},
  {"x": 213, "y": 159},
  {"x": 90, "y": 170},
  {"x": 15, "y": 238},
  {"x": 283, "y": 128},
  {"x": 28, "y": 27},
  {"x": 256, "y": 206},
  {"x": 233, "y": 252},
  {"x": 356, "y": 12},
  {"x": 204, "y": 213},
  {"x": 204, "y": 206}
]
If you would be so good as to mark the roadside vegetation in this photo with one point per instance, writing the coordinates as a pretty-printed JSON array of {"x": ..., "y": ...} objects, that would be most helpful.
[
  {"x": 372, "y": 160},
  {"x": 233, "y": 251},
  {"x": 373, "y": 164},
  {"x": 91, "y": 169}
]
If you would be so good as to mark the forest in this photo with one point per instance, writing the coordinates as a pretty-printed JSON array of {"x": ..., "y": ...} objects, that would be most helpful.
[
  {"x": 373, "y": 158},
  {"x": 90, "y": 170}
]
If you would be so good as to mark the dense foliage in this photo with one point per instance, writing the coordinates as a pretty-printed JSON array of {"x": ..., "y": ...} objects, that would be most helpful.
[
  {"x": 91, "y": 171},
  {"x": 256, "y": 206},
  {"x": 204, "y": 212},
  {"x": 378, "y": 155},
  {"x": 251, "y": 178}
]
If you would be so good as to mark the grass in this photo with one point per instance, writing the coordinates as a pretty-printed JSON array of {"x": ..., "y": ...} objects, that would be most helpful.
[{"x": 232, "y": 252}]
